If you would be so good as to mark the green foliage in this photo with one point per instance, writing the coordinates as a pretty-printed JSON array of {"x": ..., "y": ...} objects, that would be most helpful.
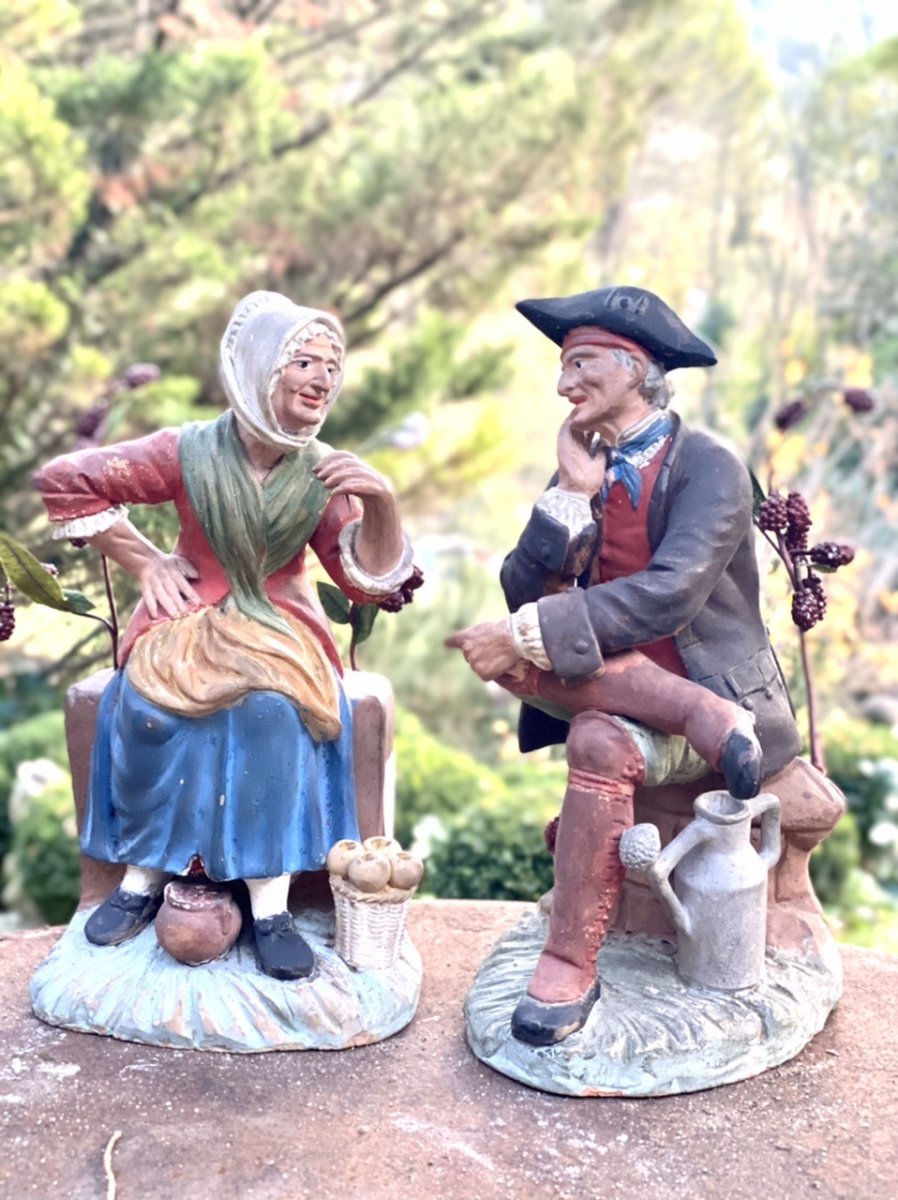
[
  {"x": 45, "y": 859},
  {"x": 493, "y": 851},
  {"x": 44, "y": 185},
  {"x": 432, "y": 681},
  {"x": 336, "y": 606},
  {"x": 835, "y": 862},
  {"x": 862, "y": 759},
  {"x": 855, "y": 871},
  {"x": 427, "y": 367},
  {"x": 434, "y": 779},
  {"x": 23, "y": 695},
  {"x": 41, "y": 736},
  {"x": 29, "y": 576}
]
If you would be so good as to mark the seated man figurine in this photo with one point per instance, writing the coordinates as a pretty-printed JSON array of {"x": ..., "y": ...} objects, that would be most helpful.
[
  {"x": 635, "y": 634},
  {"x": 225, "y": 740}
]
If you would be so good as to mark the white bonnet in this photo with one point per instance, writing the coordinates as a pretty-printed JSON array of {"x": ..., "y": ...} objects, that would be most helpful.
[{"x": 263, "y": 336}]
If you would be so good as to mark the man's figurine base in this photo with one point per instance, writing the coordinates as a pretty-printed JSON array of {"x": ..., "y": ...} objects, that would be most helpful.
[
  {"x": 139, "y": 993},
  {"x": 649, "y": 1034}
]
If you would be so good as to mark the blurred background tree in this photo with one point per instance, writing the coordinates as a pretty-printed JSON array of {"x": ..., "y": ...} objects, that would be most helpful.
[{"x": 418, "y": 168}]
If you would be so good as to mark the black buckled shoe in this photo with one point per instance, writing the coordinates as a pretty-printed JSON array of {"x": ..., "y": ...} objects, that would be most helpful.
[
  {"x": 282, "y": 952},
  {"x": 542, "y": 1024},
  {"x": 121, "y": 916},
  {"x": 740, "y": 764}
]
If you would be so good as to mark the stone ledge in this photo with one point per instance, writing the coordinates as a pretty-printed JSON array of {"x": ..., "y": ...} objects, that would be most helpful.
[{"x": 419, "y": 1116}]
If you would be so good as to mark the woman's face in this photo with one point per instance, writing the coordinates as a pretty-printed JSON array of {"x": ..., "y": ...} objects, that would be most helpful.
[{"x": 302, "y": 392}]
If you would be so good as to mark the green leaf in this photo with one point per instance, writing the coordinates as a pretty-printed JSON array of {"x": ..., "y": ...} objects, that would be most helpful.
[
  {"x": 757, "y": 492},
  {"x": 77, "y": 602},
  {"x": 362, "y": 618},
  {"x": 27, "y": 574},
  {"x": 335, "y": 604}
]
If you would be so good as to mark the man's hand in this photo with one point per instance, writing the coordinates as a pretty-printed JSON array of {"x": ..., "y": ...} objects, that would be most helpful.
[
  {"x": 488, "y": 649},
  {"x": 578, "y": 471}
]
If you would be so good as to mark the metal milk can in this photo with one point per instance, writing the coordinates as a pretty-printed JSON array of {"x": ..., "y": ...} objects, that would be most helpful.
[{"x": 718, "y": 901}]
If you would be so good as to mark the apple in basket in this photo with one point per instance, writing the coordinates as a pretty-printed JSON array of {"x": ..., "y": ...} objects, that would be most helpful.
[
  {"x": 382, "y": 845},
  {"x": 369, "y": 871},
  {"x": 407, "y": 871},
  {"x": 341, "y": 855}
]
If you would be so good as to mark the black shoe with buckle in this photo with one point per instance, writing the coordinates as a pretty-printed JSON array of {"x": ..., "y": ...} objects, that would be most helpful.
[
  {"x": 740, "y": 764},
  {"x": 543, "y": 1024},
  {"x": 121, "y": 916},
  {"x": 282, "y": 952}
]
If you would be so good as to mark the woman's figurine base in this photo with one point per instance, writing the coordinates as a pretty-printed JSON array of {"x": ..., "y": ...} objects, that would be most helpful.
[
  {"x": 649, "y": 1034},
  {"x": 139, "y": 993}
]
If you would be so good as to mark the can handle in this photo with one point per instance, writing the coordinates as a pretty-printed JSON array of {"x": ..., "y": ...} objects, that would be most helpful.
[
  {"x": 696, "y": 832},
  {"x": 767, "y": 807}
]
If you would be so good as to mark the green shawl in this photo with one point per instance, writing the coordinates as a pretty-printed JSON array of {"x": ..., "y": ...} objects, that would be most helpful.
[{"x": 254, "y": 528}]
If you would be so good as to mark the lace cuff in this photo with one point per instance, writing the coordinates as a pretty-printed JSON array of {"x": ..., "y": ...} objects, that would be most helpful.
[
  {"x": 527, "y": 638},
  {"x": 571, "y": 509},
  {"x": 88, "y": 527},
  {"x": 373, "y": 585}
]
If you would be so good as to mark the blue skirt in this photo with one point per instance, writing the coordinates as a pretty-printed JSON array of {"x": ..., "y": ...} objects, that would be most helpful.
[{"x": 247, "y": 789}]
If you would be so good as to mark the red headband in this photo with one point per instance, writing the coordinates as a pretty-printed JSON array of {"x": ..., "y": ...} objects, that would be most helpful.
[{"x": 594, "y": 335}]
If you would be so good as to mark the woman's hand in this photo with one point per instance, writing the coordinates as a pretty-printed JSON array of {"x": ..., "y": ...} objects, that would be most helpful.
[
  {"x": 488, "y": 648},
  {"x": 379, "y": 545},
  {"x": 165, "y": 585},
  {"x": 164, "y": 578},
  {"x": 343, "y": 474},
  {"x": 578, "y": 470}
]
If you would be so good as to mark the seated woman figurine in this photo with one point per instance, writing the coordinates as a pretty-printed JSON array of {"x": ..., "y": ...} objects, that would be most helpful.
[{"x": 226, "y": 735}]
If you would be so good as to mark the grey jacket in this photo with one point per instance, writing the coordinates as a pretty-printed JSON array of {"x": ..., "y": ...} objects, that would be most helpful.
[{"x": 701, "y": 587}]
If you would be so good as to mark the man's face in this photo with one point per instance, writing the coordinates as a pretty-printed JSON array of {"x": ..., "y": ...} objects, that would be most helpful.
[
  {"x": 298, "y": 400},
  {"x": 604, "y": 392}
]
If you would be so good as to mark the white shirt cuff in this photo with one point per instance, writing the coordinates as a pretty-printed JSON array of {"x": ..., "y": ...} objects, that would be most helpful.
[
  {"x": 527, "y": 637},
  {"x": 374, "y": 585},
  {"x": 571, "y": 509},
  {"x": 88, "y": 527}
]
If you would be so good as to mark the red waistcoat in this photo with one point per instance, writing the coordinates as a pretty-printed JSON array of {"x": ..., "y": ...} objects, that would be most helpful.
[{"x": 625, "y": 549}]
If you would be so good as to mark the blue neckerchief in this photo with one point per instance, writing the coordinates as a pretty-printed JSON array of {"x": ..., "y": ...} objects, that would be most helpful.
[{"x": 625, "y": 461}]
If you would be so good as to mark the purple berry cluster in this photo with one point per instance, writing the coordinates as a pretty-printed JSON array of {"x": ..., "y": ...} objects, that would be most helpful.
[
  {"x": 397, "y": 600},
  {"x": 809, "y": 602},
  {"x": 8, "y": 606},
  {"x": 790, "y": 414},
  {"x": 90, "y": 427},
  {"x": 7, "y": 615},
  {"x": 859, "y": 400},
  {"x": 789, "y": 518}
]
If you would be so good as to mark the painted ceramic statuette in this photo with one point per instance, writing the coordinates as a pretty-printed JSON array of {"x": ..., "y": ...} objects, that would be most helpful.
[
  {"x": 636, "y": 638},
  {"x": 229, "y": 750}
]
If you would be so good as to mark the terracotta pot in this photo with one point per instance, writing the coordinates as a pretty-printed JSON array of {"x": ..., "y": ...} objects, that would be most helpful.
[{"x": 197, "y": 922}]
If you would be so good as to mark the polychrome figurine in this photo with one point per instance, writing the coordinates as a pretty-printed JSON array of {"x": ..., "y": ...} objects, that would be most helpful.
[
  {"x": 636, "y": 637},
  {"x": 224, "y": 742}
]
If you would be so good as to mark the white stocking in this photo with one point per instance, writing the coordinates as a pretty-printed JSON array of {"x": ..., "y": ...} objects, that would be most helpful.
[
  {"x": 268, "y": 897},
  {"x": 144, "y": 881}
]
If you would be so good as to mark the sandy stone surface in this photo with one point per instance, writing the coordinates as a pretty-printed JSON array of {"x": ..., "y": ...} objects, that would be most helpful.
[{"x": 419, "y": 1116}]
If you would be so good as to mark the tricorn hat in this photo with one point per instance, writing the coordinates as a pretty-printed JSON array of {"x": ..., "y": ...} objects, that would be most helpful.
[{"x": 631, "y": 312}]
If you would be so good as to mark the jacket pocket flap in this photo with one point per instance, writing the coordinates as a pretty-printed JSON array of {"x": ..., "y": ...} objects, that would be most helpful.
[{"x": 753, "y": 675}]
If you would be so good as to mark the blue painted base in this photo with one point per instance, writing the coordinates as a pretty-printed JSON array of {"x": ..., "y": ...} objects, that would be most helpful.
[{"x": 139, "y": 993}]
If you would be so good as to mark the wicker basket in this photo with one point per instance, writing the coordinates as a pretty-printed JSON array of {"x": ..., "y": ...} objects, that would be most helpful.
[{"x": 369, "y": 925}]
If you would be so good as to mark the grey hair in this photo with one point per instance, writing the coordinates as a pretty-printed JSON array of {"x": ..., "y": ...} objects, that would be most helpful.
[{"x": 656, "y": 388}]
